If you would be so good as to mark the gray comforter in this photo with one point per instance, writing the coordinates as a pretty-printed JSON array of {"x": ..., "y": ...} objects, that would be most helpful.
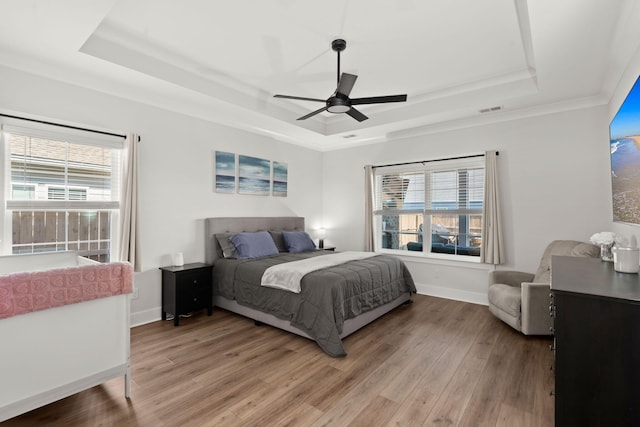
[{"x": 328, "y": 297}]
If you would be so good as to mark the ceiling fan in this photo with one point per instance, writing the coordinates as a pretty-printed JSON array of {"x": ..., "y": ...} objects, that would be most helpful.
[{"x": 340, "y": 102}]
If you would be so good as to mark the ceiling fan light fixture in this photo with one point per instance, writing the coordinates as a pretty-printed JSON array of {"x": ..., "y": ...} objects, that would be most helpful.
[
  {"x": 338, "y": 108},
  {"x": 338, "y": 104}
]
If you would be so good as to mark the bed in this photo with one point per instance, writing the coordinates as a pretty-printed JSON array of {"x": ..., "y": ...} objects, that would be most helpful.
[
  {"x": 332, "y": 302},
  {"x": 64, "y": 323}
]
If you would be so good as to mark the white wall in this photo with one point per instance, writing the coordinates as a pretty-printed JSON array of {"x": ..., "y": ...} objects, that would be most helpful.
[
  {"x": 176, "y": 166},
  {"x": 554, "y": 181}
]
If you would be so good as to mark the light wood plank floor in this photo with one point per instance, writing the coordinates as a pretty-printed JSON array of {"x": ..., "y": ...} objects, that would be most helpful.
[{"x": 435, "y": 362}]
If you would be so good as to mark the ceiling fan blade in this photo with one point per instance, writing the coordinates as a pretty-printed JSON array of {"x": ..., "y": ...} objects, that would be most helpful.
[
  {"x": 379, "y": 99},
  {"x": 346, "y": 83},
  {"x": 313, "y": 113},
  {"x": 357, "y": 115},
  {"x": 300, "y": 98}
]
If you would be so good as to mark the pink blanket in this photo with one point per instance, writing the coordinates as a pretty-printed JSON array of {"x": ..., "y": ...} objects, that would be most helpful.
[{"x": 26, "y": 292}]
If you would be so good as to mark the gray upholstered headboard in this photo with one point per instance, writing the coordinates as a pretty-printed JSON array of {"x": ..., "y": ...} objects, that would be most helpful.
[{"x": 212, "y": 226}]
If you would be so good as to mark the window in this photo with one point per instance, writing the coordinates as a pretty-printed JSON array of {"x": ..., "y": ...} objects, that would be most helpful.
[
  {"x": 61, "y": 193},
  {"x": 64, "y": 192},
  {"x": 442, "y": 197},
  {"x": 23, "y": 192}
]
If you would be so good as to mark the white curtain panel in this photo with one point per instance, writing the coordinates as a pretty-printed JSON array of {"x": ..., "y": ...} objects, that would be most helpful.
[
  {"x": 492, "y": 250},
  {"x": 369, "y": 183},
  {"x": 129, "y": 228}
]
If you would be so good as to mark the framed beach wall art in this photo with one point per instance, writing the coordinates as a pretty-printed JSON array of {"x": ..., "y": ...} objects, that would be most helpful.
[
  {"x": 279, "y": 179},
  {"x": 225, "y": 172},
  {"x": 624, "y": 132},
  {"x": 254, "y": 175}
]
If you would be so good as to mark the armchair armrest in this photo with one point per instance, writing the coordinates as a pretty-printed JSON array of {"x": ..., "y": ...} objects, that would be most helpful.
[
  {"x": 535, "y": 309},
  {"x": 509, "y": 277}
]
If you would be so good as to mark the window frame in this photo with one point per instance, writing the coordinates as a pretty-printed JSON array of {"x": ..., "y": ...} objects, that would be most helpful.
[
  {"x": 68, "y": 206},
  {"x": 427, "y": 212}
]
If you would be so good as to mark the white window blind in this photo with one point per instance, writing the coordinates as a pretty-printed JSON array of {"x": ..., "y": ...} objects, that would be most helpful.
[
  {"x": 458, "y": 191},
  {"x": 400, "y": 191},
  {"x": 61, "y": 175},
  {"x": 456, "y": 187}
]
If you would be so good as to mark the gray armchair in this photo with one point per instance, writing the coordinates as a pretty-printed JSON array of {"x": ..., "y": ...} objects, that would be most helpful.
[{"x": 522, "y": 299}]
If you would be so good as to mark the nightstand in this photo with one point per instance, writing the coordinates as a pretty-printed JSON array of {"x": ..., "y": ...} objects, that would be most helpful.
[
  {"x": 186, "y": 289},
  {"x": 328, "y": 248}
]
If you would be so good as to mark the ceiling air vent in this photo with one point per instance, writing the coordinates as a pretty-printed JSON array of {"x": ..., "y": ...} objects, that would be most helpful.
[
  {"x": 490, "y": 109},
  {"x": 353, "y": 135}
]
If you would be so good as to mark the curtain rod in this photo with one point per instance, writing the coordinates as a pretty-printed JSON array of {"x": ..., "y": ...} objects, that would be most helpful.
[
  {"x": 433, "y": 160},
  {"x": 65, "y": 126}
]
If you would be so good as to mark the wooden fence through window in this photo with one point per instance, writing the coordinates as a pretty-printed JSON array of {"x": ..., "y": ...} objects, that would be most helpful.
[{"x": 86, "y": 232}]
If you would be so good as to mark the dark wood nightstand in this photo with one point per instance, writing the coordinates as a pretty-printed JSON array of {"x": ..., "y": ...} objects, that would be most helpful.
[
  {"x": 328, "y": 248},
  {"x": 186, "y": 289}
]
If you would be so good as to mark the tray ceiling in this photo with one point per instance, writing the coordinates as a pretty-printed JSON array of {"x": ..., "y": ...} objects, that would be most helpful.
[{"x": 224, "y": 61}]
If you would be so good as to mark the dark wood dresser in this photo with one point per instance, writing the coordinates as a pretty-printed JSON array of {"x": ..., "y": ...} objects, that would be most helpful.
[{"x": 597, "y": 343}]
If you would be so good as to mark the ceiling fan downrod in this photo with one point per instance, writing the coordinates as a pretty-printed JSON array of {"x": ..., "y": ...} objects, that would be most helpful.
[{"x": 338, "y": 45}]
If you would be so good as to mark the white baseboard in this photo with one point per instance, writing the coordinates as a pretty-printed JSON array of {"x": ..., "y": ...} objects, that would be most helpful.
[
  {"x": 454, "y": 294},
  {"x": 147, "y": 316}
]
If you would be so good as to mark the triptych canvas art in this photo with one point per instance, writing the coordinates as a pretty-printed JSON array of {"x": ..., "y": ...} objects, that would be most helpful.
[{"x": 249, "y": 175}]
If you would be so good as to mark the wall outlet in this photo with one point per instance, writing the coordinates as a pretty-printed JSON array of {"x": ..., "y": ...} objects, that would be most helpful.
[{"x": 135, "y": 294}]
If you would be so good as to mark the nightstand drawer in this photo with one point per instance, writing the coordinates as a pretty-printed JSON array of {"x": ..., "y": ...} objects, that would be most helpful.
[{"x": 194, "y": 289}]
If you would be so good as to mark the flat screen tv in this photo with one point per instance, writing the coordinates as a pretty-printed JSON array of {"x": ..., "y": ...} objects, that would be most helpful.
[{"x": 624, "y": 135}]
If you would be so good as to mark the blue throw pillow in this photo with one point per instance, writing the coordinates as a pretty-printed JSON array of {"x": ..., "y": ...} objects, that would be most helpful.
[
  {"x": 298, "y": 241},
  {"x": 254, "y": 245}
]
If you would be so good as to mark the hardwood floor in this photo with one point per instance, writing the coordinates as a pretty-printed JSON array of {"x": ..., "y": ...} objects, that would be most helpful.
[{"x": 435, "y": 362}]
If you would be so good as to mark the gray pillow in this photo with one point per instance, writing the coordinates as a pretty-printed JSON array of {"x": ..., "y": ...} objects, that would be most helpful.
[
  {"x": 253, "y": 245},
  {"x": 298, "y": 241},
  {"x": 279, "y": 241},
  {"x": 228, "y": 249}
]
